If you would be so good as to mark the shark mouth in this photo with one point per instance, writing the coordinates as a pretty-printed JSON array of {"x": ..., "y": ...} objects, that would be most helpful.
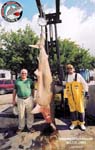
[{"x": 17, "y": 13}]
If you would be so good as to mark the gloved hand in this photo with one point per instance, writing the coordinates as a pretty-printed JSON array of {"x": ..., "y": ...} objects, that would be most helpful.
[{"x": 86, "y": 95}]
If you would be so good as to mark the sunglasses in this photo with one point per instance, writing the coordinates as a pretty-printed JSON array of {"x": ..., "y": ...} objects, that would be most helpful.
[
  {"x": 23, "y": 73},
  {"x": 69, "y": 68}
]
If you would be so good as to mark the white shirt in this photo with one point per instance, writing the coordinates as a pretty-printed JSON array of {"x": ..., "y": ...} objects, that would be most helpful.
[{"x": 71, "y": 78}]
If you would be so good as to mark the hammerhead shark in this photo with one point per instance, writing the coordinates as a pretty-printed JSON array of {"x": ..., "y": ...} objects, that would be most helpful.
[{"x": 44, "y": 82}]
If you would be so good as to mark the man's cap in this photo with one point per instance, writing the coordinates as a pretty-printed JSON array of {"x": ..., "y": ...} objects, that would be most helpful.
[{"x": 70, "y": 66}]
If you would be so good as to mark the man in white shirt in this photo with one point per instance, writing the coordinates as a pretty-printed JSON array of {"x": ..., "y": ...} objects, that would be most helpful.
[{"x": 76, "y": 86}]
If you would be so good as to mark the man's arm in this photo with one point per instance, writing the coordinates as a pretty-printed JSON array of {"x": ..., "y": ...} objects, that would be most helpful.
[{"x": 14, "y": 97}]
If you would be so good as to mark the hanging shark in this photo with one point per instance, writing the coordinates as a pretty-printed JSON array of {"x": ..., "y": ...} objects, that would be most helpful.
[{"x": 44, "y": 82}]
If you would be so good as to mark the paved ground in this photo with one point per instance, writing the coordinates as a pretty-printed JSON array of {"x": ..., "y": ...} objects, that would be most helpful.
[
  {"x": 65, "y": 140},
  {"x": 5, "y": 99}
]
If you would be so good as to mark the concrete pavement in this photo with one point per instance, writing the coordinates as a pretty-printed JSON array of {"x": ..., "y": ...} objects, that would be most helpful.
[{"x": 65, "y": 140}]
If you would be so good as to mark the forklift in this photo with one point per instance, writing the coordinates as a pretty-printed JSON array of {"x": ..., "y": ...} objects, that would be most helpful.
[{"x": 49, "y": 22}]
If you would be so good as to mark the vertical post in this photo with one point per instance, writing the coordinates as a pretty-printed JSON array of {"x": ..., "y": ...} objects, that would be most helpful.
[
  {"x": 46, "y": 40},
  {"x": 60, "y": 67},
  {"x": 57, "y": 9}
]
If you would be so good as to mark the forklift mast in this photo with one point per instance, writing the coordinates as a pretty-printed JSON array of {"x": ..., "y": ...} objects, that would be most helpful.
[{"x": 51, "y": 34}]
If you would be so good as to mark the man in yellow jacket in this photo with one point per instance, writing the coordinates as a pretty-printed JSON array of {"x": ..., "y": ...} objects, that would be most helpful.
[{"x": 76, "y": 87}]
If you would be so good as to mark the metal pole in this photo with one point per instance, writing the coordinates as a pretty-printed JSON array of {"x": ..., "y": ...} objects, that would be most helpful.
[{"x": 46, "y": 40}]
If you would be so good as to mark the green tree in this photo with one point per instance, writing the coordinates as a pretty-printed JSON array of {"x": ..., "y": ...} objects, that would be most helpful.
[
  {"x": 18, "y": 53},
  {"x": 72, "y": 53},
  {"x": 2, "y": 58}
]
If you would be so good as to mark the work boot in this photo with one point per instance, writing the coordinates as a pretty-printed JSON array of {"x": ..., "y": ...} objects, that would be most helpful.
[
  {"x": 82, "y": 126},
  {"x": 72, "y": 126}
]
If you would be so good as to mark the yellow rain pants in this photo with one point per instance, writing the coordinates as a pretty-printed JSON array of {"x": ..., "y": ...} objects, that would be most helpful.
[{"x": 74, "y": 92}]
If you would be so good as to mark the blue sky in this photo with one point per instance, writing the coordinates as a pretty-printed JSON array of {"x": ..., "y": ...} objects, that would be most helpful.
[
  {"x": 87, "y": 5},
  {"x": 30, "y": 8},
  {"x": 78, "y": 20}
]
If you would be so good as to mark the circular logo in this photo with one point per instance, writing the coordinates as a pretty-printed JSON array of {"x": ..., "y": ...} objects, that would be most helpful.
[{"x": 11, "y": 11}]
